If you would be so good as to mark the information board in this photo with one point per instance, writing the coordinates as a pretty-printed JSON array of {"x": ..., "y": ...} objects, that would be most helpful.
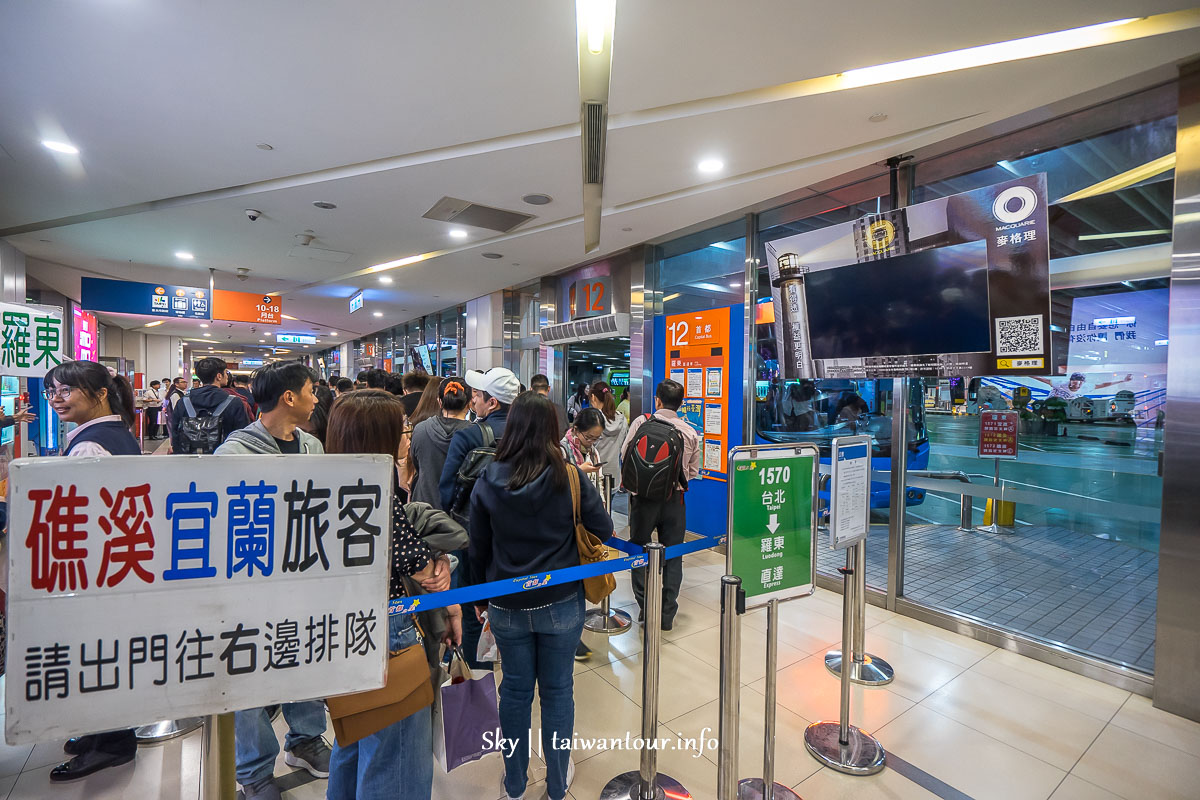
[
  {"x": 31, "y": 339},
  {"x": 772, "y": 520},
  {"x": 156, "y": 588},
  {"x": 262, "y": 309},
  {"x": 998, "y": 434},
  {"x": 697, "y": 355},
  {"x": 850, "y": 490},
  {"x": 146, "y": 299}
]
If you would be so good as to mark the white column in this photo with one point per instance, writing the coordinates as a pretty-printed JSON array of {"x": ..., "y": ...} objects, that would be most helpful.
[{"x": 484, "y": 346}]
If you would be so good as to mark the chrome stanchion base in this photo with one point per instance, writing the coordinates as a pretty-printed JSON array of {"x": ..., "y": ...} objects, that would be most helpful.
[
  {"x": 617, "y": 621},
  {"x": 862, "y": 756},
  {"x": 167, "y": 729},
  {"x": 753, "y": 789},
  {"x": 872, "y": 671},
  {"x": 628, "y": 786},
  {"x": 1004, "y": 531}
]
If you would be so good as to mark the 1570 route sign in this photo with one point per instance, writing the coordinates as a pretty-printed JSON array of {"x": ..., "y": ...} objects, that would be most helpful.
[{"x": 771, "y": 521}]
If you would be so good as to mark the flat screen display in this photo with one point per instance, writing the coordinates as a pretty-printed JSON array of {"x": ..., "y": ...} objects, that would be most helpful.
[
  {"x": 934, "y": 301},
  {"x": 10, "y": 384}
]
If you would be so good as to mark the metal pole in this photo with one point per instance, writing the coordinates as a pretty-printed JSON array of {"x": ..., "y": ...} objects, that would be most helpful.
[
  {"x": 647, "y": 783},
  {"x": 604, "y": 619},
  {"x": 965, "y": 523},
  {"x": 840, "y": 745},
  {"x": 217, "y": 759},
  {"x": 731, "y": 668},
  {"x": 769, "y": 710}
]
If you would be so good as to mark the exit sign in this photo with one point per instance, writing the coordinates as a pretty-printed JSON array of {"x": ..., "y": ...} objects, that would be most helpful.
[{"x": 294, "y": 338}]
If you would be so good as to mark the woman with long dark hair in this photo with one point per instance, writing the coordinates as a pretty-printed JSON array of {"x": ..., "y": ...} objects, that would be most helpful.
[
  {"x": 522, "y": 523},
  {"x": 431, "y": 437},
  {"x": 615, "y": 428},
  {"x": 396, "y": 762},
  {"x": 100, "y": 403}
]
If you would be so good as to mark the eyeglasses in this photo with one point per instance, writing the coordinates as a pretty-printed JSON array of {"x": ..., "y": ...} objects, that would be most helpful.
[
  {"x": 587, "y": 437},
  {"x": 61, "y": 394}
]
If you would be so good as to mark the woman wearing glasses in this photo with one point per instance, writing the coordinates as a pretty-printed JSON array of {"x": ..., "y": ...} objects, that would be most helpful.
[
  {"x": 100, "y": 402},
  {"x": 579, "y": 449}
]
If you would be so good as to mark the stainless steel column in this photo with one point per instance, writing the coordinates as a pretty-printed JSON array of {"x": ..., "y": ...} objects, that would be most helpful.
[
  {"x": 750, "y": 353},
  {"x": 1177, "y": 644},
  {"x": 217, "y": 762},
  {"x": 898, "y": 506},
  {"x": 647, "y": 783}
]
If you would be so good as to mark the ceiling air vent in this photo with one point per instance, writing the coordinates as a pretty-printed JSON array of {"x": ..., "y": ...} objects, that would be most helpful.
[
  {"x": 464, "y": 212},
  {"x": 593, "y": 142}
]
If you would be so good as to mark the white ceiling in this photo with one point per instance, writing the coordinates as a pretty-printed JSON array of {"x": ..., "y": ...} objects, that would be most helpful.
[{"x": 383, "y": 107}]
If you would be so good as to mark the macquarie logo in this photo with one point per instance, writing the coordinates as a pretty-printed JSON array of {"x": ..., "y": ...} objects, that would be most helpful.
[{"x": 1015, "y": 204}]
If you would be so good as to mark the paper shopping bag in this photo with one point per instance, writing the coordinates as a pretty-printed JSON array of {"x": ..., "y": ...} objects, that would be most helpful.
[{"x": 466, "y": 718}]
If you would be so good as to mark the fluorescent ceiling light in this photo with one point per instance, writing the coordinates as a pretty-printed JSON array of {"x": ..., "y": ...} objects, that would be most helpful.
[
  {"x": 671, "y": 297},
  {"x": 710, "y": 287},
  {"x": 711, "y": 165},
  {"x": 1013, "y": 50},
  {"x": 458, "y": 233},
  {"x": 595, "y": 21},
  {"x": 1093, "y": 237},
  {"x": 155, "y": 324},
  {"x": 183, "y": 255},
  {"x": 287, "y": 316},
  {"x": 1126, "y": 179},
  {"x": 60, "y": 147},
  {"x": 379, "y": 313},
  {"x": 384, "y": 279}
]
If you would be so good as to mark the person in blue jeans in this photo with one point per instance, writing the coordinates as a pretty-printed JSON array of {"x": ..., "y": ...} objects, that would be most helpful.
[
  {"x": 522, "y": 522},
  {"x": 395, "y": 763}
]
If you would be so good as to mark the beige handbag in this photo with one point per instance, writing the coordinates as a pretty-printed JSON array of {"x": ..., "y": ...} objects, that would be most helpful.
[{"x": 591, "y": 549}]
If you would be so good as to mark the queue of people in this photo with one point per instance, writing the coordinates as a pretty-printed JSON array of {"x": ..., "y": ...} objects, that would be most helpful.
[{"x": 481, "y": 494}]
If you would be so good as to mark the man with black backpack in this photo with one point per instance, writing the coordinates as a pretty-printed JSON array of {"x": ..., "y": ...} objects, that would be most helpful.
[
  {"x": 204, "y": 417},
  {"x": 660, "y": 455},
  {"x": 471, "y": 450}
]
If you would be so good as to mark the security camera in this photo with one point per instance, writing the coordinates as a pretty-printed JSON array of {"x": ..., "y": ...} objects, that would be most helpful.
[{"x": 253, "y": 214}]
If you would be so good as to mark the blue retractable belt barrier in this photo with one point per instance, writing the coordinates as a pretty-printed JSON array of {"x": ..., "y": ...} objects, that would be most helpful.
[{"x": 486, "y": 591}]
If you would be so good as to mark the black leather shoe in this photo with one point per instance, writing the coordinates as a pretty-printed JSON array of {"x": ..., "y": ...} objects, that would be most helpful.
[
  {"x": 78, "y": 744},
  {"x": 86, "y": 763}
]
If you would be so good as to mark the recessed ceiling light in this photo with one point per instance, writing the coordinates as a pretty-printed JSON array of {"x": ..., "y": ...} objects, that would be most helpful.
[
  {"x": 879, "y": 117},
  {"x": 264, "y": 146},
  {"x": 493, "y": 255},
  {"x": 183, "y": 255},
  {"x": 379, "y": 313},
  {"x": 627, "y": 230},
  {"x": 711, "y": 165},
  {"x": 324, "y": 204},
  {"x": 333, "y": 333},
  {"x": 537, "y": 199},
  {"x": 155, "y": 324},
  {"x": 208, "y": 334},
  {"x": 203, "y": 324},
  {"x": 60, "y": 147},
  {"x": 458, "y": 233}
]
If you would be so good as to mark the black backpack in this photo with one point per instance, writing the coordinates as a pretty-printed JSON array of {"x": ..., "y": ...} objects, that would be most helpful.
[
  {"x": 469, "y": 471},
  {"x": 201, "y": 432},
  {"x": 653, "y": 465}
]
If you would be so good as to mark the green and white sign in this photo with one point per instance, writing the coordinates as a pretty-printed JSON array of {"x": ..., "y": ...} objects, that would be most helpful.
[
  {"x": 31, "y": 339},
  {"x": 771, "y": 520}
]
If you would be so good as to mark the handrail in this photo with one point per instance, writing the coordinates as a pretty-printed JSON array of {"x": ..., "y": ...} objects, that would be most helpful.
[{"x": 965, "y": 523}]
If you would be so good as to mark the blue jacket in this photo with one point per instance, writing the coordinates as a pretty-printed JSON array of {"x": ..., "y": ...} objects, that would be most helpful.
[{"x": 463, "y": 442}]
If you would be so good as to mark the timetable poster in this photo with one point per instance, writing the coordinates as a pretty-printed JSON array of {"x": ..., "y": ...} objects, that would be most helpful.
[{"x": 698, "y": 349}]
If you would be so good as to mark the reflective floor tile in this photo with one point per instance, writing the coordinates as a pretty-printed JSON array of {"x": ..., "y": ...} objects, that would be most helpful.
[
  {"x": 1138, "y": 768},
  {"x": 1141, "y": 717},
  {"x": 706, "y": 646},
  {"x": 1076, "y": 692},
  {"x": 943, "y": 644},
  {"x": 698, "y": 775},
  {"x": 1073, "y": 788},
  {"x": 685, "y": 682},
  {"x": 827, "y": 784},
  {"x": 978, "y": 765},
  {"x": 1032, "y": 724}
]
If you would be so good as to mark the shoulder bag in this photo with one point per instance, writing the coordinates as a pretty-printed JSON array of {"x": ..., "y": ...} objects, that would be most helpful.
[{"x": 591, "y": 549}]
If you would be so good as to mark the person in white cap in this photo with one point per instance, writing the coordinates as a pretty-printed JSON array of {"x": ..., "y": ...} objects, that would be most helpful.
[{"x": 492, "y": 392}]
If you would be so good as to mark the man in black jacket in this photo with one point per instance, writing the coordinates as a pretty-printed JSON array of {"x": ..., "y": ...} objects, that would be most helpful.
[{"x": 213, "y": 374}]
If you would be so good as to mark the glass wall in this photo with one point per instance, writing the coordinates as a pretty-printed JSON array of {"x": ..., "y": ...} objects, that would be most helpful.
[
  {"x": 432, "y": 343},
  {"x": 1075, "y": 560}
]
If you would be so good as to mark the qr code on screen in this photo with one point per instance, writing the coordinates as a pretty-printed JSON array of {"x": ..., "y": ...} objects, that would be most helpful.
[{"x": 1019, "y": 336}]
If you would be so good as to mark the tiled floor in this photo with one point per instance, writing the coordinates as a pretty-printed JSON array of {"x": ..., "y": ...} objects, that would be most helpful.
[
  {"x": 1094, "y": 595},
  {"x": 986, "y": 722}
]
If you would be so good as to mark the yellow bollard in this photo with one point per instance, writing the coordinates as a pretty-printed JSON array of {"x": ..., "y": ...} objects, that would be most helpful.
[{"x": 1007, "y": 515}]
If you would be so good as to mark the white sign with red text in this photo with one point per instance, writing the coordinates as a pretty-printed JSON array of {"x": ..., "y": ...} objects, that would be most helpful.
[{"x": 145, "y": 588}]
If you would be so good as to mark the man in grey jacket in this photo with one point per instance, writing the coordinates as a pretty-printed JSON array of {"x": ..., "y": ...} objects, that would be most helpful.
[{"x": 285, "y": 396}]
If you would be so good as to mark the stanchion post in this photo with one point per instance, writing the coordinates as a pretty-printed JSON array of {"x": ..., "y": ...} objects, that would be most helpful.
[
  {"x": 604, "y": 619},
  {"x": 217, "y": 764},
  {"x": 867, "y": 669},
  {"x": 840, "y": 745},
  {"x": 731, "y": 668},
  {"x": 647, "y": 783}
]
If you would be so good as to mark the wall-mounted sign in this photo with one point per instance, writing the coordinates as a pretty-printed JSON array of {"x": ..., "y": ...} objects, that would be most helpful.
[
  {"x": 146, "y": 299},
  {"x": 591, "y": 297},
  {"x": 698, "y": 359},
  {"x": 31, "y": 340},
  {"x": 295, "y": 338},
  {"x": 252, "y": 362},
  {"x": 87, "y": 335},
  {"x": 356, "y": 302},
  {"x": 261, "y": 309}
]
